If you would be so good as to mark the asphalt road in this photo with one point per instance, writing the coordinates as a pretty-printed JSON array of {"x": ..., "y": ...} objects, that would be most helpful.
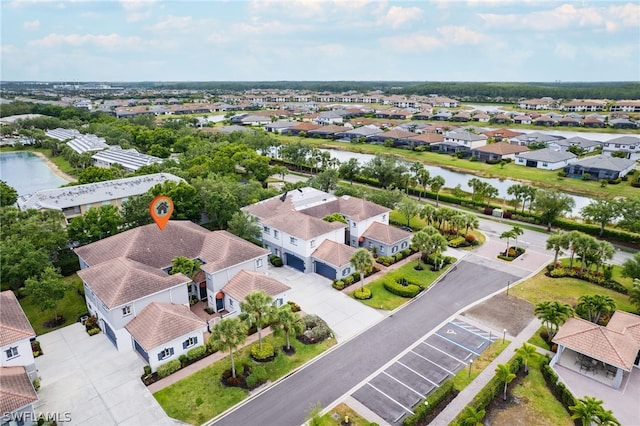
[{"x": 340, "y": 370}]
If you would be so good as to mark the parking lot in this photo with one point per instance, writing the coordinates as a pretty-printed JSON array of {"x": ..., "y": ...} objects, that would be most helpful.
[{"x": 393, "y": 393}]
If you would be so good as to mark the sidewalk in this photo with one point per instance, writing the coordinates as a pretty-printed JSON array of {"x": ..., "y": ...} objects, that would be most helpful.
[{"x": 464, "y": 398}]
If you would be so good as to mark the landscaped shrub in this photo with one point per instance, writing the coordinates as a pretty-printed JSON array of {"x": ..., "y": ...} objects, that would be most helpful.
[
  {"x": 275, "y": 261},
  {"x": 470, "y": 238},
  {"x": 338, "y": 285},
  {"x": 294, "y": 306},
  {"x": 267, "y": 353},
  {"x": 402, "y": 289},
  {"x": 36, "y": 349},
  {"x": 362, "y": 293},
  {"x": 348, "y": 280},
  {"x": 91, "y": 322},
  {"x": 398, "y": 257},
  {"x": 458, "y": 242},
  {"x": 147, "y": 370},
  {"x": 316, "y": 330},
  {"x": 169, "y": 368},
  {"x": 196, "y": 353},
  {"x": 183, "y": 359},
  {"x": 429, "y": 404},
  {"x": 385, "y": 260},
  {"x": 406, "y": 252},
  {"x": 601, "y": 280},
  {"x": 93, "y": 331},
  {"x": 257, "y": 377}
]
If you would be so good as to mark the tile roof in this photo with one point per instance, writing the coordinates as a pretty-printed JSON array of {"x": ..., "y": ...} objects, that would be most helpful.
[
  {"x": 16, "y": 390},
  {"x": 605, "y": 162},
  {"x": 625, "y": 322},
  {"x": 336, "y": 254},
  {"x": 505, "y": 133},
  {"x": 427, "y": 137},
  {"x": 288, "y": 202},
  {"x": 159, "y": 323},
  {"x": 246, "y": 282},
  {"x": 547, "y": 154},
  {"x": 354, "y": 208},
  {"x": 601, "y": 343},
  {"x": 301, "y": 225},
  {"x": 385, "y": 233},
  {"x": 502, "y": 148},
  {"x": 14, "y": 325}
]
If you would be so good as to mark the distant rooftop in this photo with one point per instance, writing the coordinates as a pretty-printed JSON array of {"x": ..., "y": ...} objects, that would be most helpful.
[
  {"x": 130, "y": 159},
  {"x": 70, "y": 196}
]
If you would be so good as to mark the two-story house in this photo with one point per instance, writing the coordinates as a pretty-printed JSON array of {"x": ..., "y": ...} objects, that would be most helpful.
[
  {"x": 127, "y": 272},
  {"x": 630, "y": 145},
  {"x": 17, "y": 366}
]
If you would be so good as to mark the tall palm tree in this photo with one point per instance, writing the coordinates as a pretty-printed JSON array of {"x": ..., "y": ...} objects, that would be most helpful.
[
  {"x": 508, "y": 235},
  {"x": 422, "y": 176},
  {"x": 421, "y": 241},
  {"x": 428, "y": 213},
  {"x": 438, "y": 245},
  {"x": 504, "y": 374},
  {"x": 517, "y": 232},
  {"x": 584, "y": 245},
  {"x": 556, "y": 242},
  {"x": 526, "y": 352},
  {"x": 472, "y": 417},
  {"x": 595, "y": 306},
  {"x": 228, "y": 334},
  {"x": 436, "y": 183},
  {"x": 363, "y": 262},
  {"x": 604, "y": 251},
  {"x": 470, "y": 222},
  {"x": 287, "y": 322},
  {"x": 572, "y": 237},
  {"x": 258, "y": 310},
  {"x": 458, "y": 221},
  {"x": 553, "y": 315},
  {"x": 586, "y": 409}
]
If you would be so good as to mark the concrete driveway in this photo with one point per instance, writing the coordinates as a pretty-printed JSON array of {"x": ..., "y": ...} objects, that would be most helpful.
[
  {"x": 86, "y": 377},
  {"x": 344, "y": 315}
]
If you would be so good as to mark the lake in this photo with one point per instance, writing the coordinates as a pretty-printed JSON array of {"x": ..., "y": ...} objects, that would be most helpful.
[{"x": 27, "y": 173}]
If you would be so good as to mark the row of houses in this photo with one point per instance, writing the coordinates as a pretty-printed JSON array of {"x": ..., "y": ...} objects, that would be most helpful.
[{"x": 579, "y": 105}]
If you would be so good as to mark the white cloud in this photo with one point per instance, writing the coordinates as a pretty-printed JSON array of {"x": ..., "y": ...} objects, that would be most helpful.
[
  {"x": 31, "y": 24},
  {"x": 411, "y": 43},
  {"x": 105, "y": 41},
  {"x": 172, "y": 23},
  {"x": 137, "y": 10},
  {"x": 398, "y": 16},
  {"x": 461, "y": 35}
]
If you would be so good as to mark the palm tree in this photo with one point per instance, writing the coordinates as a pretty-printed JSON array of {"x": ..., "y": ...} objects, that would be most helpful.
[
  {"x": 583, "y": 246},
  {"x": 504, "y": 374},
  {"x": 595, "y": 306},
  {"x": 228, "y": 334},
  {"x": 517, "y": 231},
  {"x": 586, "y": 409},
  {"x": 438, "y": 245},
  {"x": 362, "y": 261},
  {"x": 556, "y": 242},
  {"x": 475, "y": 184},
  {"x": 553, "y": 315},
  {"x": 470, "y": 222},
  {"x": 606, "y": 418},
  {"x": 526, "y": 351},
  {"x": 508, "y": 235},
  {"x": 427, "y": 213},
  {"x": 472, "y": 417},
  {"x": 634, "y": 293},
  {"x": 287, "y": 322},
  {"x": 604, "y": 251},
  {"x": 458, "y": 221},
  {"x": 421, "y": 241},
  {"x": 258, "y": 309},
  {"x": 436, "y": 183},
  {"x": 571, "y": 238},
  {"x": 422, "y": 176}
]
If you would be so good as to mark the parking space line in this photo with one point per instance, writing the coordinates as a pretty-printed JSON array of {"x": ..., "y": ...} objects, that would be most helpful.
[
  {"x": 457, "y": 344},
  {"x": 472, "y": 332},
  {"x": 406, "y": 386},
  {"x": 403, "y": 407},
  {"x": 449, "y": 355},
  {"x": 415, "y": 372},
  {"x": 439, "y": 366}
]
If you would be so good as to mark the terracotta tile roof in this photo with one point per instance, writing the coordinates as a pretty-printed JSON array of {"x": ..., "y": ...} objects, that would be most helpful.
[
  {"x": 625, "y": 322},
  {"x": 502, "y": 148},
  {"x": 385, "y": 233},
  {"x": 331, "y": 128},
  {"x": 288, "y": 202},
  {"x": 151, "y": 246},
  {"x": 395, "y": 134},
  {"x": 305, "y": 127},
  {"x": 336, "y": 254},
  {"x": 601, "y": 343},
  {"x": 427, "y": 137},
  {"x": 354, "y": 208},
  {"x": 505, "y": 133},
  {"x": 246, "y": 282},
  {"x": 16, "y": 390},
  {"x": 123, "y": 280},
  {"x": 301, "y": 225},
  {"x": 159, "y": 323},
  {"x": 14, "y": 325}
]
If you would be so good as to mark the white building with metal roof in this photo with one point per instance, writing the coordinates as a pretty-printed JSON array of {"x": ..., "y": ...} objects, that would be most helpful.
[{"x": 130, "y": 159}]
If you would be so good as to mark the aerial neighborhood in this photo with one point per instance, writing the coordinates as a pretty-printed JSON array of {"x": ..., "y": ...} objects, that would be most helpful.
[{"x": 408, "y": 244}]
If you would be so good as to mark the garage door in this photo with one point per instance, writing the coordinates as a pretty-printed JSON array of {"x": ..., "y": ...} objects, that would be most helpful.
[
  {"x": 109, "y": 333},
  {"x": 295, "y": 262},
  {"x": 325, "y": 270}
]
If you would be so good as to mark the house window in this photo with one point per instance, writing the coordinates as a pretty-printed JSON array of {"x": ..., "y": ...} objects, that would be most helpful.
[
  {"x": 126, "y": 310},
  {"x": 12, "y": 352},
  {"x": 231, "y": 303},
  {"x": 404, "y": 245},
  {"x": 266, "y": 229},
  {"x": 394, "y": 249},
  {"x": 384, "y": 217},
  {"x": 346, "y": 271},
  {"x": 313, "y": 243},
  {"x": 381, "y": 249},
  {"x": 279, "y": 302},
  {"x": 258, "y": 263},
  {"x": 191, "y": 341},
  {"x": 293, "y": 240},
  {"x": 166, "y": 353},
  {"x": 276, "y": 234},
  {"x": 544, "y": 164},
  {"x": 353, "y": 224}
]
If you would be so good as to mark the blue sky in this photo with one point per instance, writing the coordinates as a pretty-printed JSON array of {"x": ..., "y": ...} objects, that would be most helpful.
[{"x": 474, "y": 40}]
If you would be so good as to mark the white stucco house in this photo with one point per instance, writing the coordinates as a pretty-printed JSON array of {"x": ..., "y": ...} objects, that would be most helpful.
[{"x": 546, "y": 159}]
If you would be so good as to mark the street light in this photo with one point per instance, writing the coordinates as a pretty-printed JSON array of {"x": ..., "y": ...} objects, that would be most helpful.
[
  {"x": 470, "y": 364},
  {"x": 504, "y": 334}
]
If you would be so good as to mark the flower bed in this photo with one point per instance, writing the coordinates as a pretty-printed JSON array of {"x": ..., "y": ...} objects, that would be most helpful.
[
  {"x": 351, "y": 279},
  {"x": 512, "y": 254}
]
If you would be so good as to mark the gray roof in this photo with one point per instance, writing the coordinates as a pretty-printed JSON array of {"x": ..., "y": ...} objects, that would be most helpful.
[
  {"x": 537, "y": 137},
  {"x": 87, "y": 143},
  {"x": 130, "y": 159},
  {"x": 578, "y": 141},
  {"x": 62, "y": 134},
  {"x": 547, "y": 155},
  {"x": 625, "y": 140},
  {"x": 466, "y": 136},
  {"x": 605, "y": 162},
  {"x": 362, "y": 131},
  {"x": 281, "y": 124},
  {"x": 70, "y": 196}
]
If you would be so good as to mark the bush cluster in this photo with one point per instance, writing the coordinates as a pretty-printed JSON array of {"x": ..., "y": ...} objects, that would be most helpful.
[
  {"x": 592, "y": 277},
  {"x": 493, "y": 387},
  {"x": 294, "y": 306},
  {"x": 257, "y": 377},
  {"x": 196, "y": 353},
  {"x": 276, "y": 261},
  {"x": 403, "y": 288},
  {"x": 556, "y": 387},
  {"x": 362, "y": 293},
  {"x": 316, "y": 330},
  {"x": 458, "y": 242},
  {"x": 429, "y": 404},
  {"x": 267, "y": 353},
  {"x": 169, "y": 368}
]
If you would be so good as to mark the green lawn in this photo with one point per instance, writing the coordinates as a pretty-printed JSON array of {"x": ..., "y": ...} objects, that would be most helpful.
[
  {"x": 71, "y": 307},
  {"x": 463, "y": 378},
  {"x": 537, "y": 177},
  {"x": 202, "y": 396},
  {"x": 535, "y": 401},
  {"x": 382, "y": 299},
  {"x": 617, "y": 271},
  {"x": 538, "y": 341},
  {"x": 341, "y": 411},
  {"x": 541, "y": 288}
]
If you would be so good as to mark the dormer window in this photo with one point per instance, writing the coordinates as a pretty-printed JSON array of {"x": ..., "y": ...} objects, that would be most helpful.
[{"x": 126, "y": 310}]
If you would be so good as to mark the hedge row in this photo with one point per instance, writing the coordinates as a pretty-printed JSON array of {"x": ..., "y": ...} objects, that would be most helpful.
[
  {"x": 589, "y": 277},
  {"x": 429, "y": 404},
  {"x": 408, "y": 290},
  {"x": 558, "y": 389},
  {"x": 494, "y": 386},
  {"x": 169, "y": 368}
]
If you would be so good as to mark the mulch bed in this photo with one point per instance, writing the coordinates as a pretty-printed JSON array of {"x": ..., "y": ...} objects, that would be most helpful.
[
  {"x": 55, "y": 322},
  {"x": 438, "y": 409}
]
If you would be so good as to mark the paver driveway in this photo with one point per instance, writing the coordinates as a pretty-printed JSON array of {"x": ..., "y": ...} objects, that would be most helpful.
[{"x": 88, "y": 378}]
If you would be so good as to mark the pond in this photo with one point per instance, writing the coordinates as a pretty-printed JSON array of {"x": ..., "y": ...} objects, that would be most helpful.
[
  {"x": 27, "y": 173},
  {"x": 452, "y": 179}
]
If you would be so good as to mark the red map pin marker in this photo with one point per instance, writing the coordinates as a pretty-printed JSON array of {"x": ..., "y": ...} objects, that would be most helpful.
[{"x": 161, "y": 208}]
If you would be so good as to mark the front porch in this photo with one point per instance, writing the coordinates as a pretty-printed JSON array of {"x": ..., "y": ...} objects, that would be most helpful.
[
  {"x": 599, "y": 371},
  {"x": 200, "y": 310}
]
